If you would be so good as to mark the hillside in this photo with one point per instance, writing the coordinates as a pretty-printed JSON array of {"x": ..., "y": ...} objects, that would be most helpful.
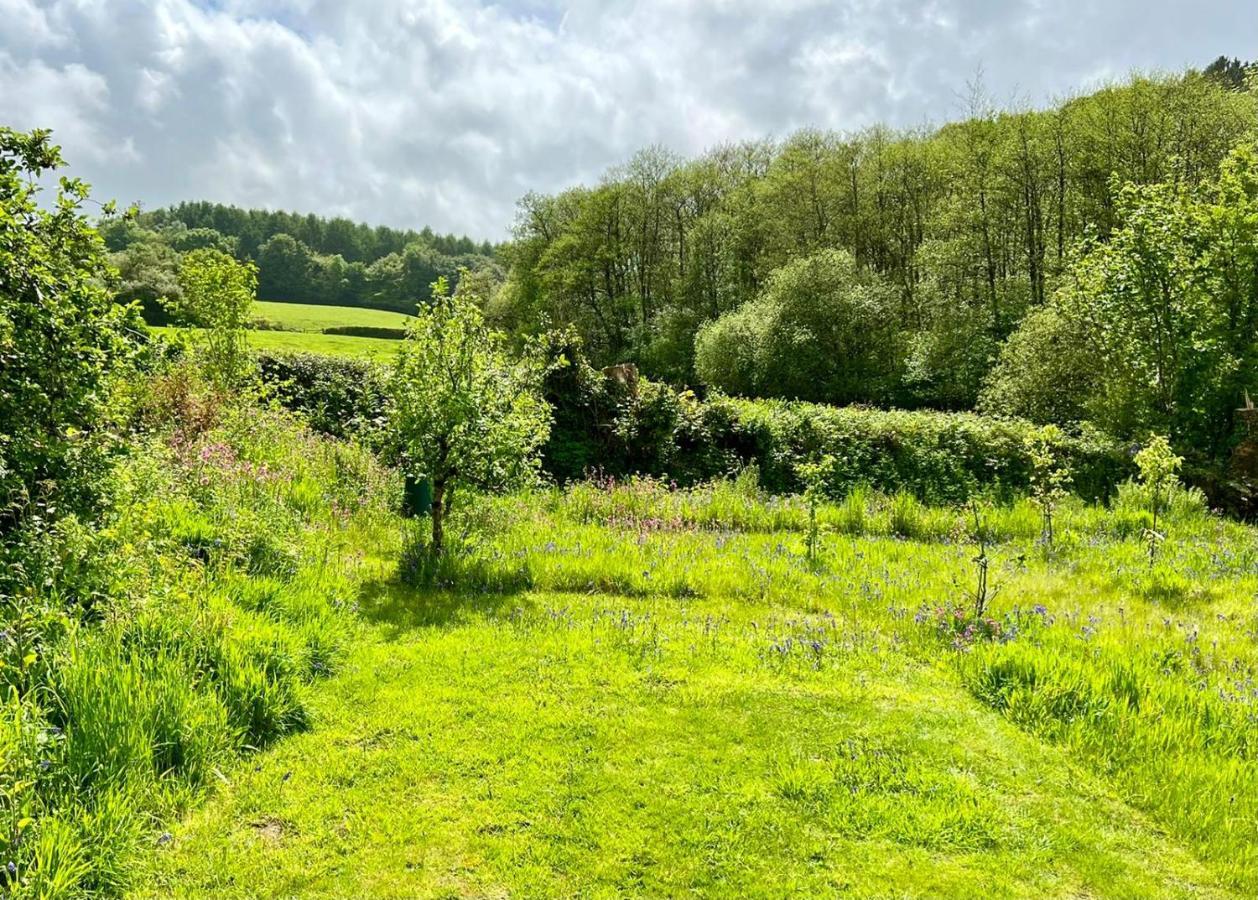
[
  {"x": 305, "y": 259},
  {"x": 276, "y": 316}
]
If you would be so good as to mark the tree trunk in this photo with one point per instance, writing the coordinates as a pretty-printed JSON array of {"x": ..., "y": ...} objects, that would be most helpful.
[{"x": 438, "y": 517}]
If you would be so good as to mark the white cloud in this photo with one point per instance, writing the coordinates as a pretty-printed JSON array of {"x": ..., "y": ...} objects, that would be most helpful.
[
  {"x": 73, "y": 97},
  {"x": 413, "y": 112}
]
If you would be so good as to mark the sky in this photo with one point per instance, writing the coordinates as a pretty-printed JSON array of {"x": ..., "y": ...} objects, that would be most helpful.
[{"x": 441, "y": 113}]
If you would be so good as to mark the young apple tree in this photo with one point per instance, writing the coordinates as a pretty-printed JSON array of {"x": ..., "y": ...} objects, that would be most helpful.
[
  {"x": 217, "y": 294},
  {"x": 463, "y": 410}
]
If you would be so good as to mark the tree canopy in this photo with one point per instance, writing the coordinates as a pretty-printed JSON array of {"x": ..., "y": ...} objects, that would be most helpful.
[
  {"x": 1156, "y": 328},
  {"x": 464, "y": 411},
  {"x": 971, "y": 226},
  {"x": 305, "y": 259}
]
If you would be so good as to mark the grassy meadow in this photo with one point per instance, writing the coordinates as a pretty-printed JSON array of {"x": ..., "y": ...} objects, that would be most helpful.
[
  {"x": 626, "y": 689},
  {"x": 314, "y": 317},
  {"x": 348, "y": 345},
  {"x": 345, "y": 345},
  {"x": 819, "y": 516},
  {"x": 299, "y": 328}
]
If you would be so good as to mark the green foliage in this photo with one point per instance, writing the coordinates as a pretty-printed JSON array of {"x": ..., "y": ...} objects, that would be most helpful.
[
  {"x": 1155, "y": 328},
  {"x": 966, "y": 229},
  {"x": 820, "y": 331},
  {"x": 462, "y": 411},
  {"x": 299, "y": 258},
  {"x": 1050, "y": 478},
  {"x": 217, "y": 293},
  {"x": 601, "y": 427},
  {"x": 353, "y": 241},
  {"x": 1046, "y": 372},
  {"x": 187, "y": 240},
  {"x": 368, "y": 331},
  {"x": 938, "y": 457},
  {"x": 148, "y": 272},
  {"x": 137, "y": 658},
  {"x": 1158, "y": 467},
  {"x": 726, "y": 351},
  {"x": 63, "y": 343},
  {"x": 1231, "y": 72},
  {"x": 337, "y": 396},
  {"x": 813, "y": 476}
]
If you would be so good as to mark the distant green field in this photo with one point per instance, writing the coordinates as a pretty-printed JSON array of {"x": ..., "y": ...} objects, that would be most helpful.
[
  {"x": 379, "y": 349},
  {"x": 315, "y": 318}
]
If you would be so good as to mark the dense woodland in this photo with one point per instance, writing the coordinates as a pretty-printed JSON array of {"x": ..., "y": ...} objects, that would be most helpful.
[
  {"x": 1091, "y": 261},
  {"x": 1094, "y": 260}
]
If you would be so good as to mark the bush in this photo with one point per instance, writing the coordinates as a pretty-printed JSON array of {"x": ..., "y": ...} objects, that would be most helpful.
[
  {"x": 601, "y": 425},
  {"x": 139, "y": 653},
  {"x": 819, "y": 331},
  {"x": 337, "y": 396},
  {"x": 938, "y": 457},
  {"x": 62, "y": 340},
  {"x": 935, "y": 456}
]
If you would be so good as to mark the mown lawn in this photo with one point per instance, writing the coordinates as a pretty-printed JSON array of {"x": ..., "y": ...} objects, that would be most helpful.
[{"x": 649, "y": 693}]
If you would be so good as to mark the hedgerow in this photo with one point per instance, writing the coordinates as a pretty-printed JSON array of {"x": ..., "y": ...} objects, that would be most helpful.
[
  {"x": 601, "y": 425},
  {"x": 371, "y": 331},
  {"x": 337, "y": 396},
  {"x": 939, "y": 457}
]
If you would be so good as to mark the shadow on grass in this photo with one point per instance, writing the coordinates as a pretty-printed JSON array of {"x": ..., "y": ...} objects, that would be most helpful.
[{"x": 458, "y": 590}]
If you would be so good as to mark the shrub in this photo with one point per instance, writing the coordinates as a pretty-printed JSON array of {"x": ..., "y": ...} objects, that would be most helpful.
[
  {"x": 337, "y": 396},
  {"x": 938, "y": 457},
  {"x": 207, "y": 605},
  {"x": 63, "y": 339},
  {"x": 603, "y": 426},
  {"x": 819, "y": 331}
]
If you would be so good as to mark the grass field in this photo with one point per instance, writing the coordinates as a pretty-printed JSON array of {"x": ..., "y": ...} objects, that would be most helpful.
[
  {"x": 645, "y": 692},
  {"x": 378, "y": 349},
  {"x": 302, "y": 324},
  {"x": 315, "y": 318}
]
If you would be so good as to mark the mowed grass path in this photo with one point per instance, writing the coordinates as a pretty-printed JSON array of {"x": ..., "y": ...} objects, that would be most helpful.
[{"x": 541, "y": 744}]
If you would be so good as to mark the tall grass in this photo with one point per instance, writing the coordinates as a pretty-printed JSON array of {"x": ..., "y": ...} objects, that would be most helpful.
[
  {"x": 1149, "y": 676},
  {"x": 222, "y": 582}
]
